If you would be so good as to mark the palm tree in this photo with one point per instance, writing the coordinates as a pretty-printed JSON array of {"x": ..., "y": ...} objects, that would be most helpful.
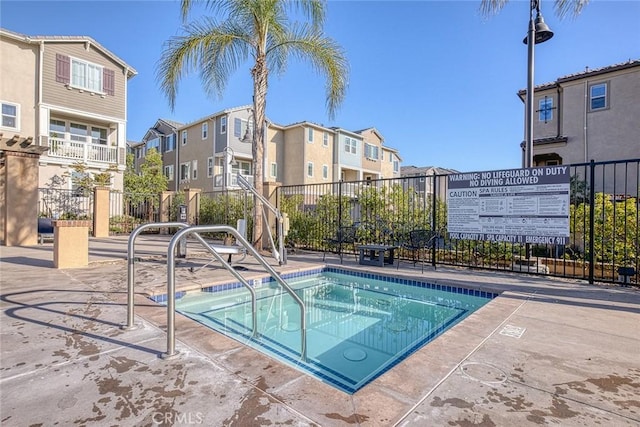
[
  {"x": 562, "y": 6},
  {"x": 260, "y": 31}
]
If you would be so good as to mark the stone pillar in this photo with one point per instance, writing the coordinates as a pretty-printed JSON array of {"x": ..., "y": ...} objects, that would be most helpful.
[
  {"x": 20, "y": 198},
  {"x": 101, "y": 211},
  {"x": 70, "y": 243},
  {"x": 165, "y": 209},
  {"x": 192, "y": 200},
  {"x": 269, "y": 193}
]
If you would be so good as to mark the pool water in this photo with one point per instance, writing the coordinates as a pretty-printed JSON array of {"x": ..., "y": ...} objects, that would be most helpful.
[{"x": 358, "y": 325}]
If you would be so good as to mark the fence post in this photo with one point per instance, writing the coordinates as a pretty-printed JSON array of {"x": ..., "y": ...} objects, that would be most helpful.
[
  {"x": 192, "y": 200},
  {"x": 164, "y": 209},
  {"x": 434, "y": 221},
  {"x": 592, "y": 219},
  {"x": 101, "y": 198},
  {"x": 338, "y": 232}
]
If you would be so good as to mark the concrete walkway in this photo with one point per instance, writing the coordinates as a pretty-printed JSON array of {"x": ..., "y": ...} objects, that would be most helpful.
[{"x": 544, "y": 352}]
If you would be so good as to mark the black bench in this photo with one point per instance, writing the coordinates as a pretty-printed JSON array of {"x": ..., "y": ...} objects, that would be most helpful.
[{"x": 45, "y": 229}]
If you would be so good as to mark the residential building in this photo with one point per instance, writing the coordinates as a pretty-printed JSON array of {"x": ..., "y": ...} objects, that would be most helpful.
[
  {"x": 212, "y": 151},
  {"x": 69, "y": 94},
  {"x": 162, "y": 137},
  {"x": 419, "y": 179},
  {"x": 589, "y": 115},
  {"x": 300, "y": 153}
]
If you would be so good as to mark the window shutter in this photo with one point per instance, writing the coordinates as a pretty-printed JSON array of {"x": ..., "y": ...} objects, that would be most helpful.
[
  {"x": 62, "y": 69},
  {"x": 108, "y": 81},
  {"x": 237, "y": 124}
]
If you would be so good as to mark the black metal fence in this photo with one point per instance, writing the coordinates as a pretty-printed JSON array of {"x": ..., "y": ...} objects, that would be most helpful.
[
  {"x": 226, "y": 207},
  {"x": 57, "y": 203},
  {"x": 129, "y": 210},
  {"x": 604, "y": 218}
]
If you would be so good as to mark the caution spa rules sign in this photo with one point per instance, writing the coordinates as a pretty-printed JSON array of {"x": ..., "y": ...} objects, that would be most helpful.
[{"x": 512, "y": 205}]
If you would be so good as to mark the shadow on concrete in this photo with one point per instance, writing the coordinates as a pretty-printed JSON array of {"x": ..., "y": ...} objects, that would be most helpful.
[{"x": 14, "y": 313}]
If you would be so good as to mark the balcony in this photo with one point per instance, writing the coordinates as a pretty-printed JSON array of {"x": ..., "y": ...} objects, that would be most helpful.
[
  {"x": 232, "y": 181},
  {"x": 84, "y": 152}
]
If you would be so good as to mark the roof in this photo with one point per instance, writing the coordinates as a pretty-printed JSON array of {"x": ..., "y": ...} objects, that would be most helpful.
[
  {"x": 372, "y": 129},
  {"x": 216, "y": 114},
  {"x": 171, "y": 123},
  {"x": 425, "y": 170},
  {"x": 631, "y": 63},
  {"x": 69, "y": 39}
]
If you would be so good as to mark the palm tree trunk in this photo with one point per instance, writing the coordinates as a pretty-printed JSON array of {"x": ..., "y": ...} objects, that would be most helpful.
[{"x": 259, "y": 73}]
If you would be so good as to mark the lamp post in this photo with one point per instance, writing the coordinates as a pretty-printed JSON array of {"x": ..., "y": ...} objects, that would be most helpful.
[
  {"x": 228, "y": 160},
  {"x": 538, "y": 32}
]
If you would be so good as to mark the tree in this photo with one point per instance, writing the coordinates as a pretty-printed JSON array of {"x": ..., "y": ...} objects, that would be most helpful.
[
  {"x": 144, "y": 188},
  {"x": 259, "y": 30},
  {"x": 562, "y": 6}
]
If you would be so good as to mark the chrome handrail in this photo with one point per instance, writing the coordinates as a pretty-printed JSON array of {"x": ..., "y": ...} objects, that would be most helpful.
[
  {"x": 131, "y": 259},
  {"x": 247, "y": 186},
  {"x": 171, "y": 285}
]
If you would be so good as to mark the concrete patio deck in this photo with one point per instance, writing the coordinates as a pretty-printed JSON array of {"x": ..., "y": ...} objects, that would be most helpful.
[{"x": 546, "y": 351}]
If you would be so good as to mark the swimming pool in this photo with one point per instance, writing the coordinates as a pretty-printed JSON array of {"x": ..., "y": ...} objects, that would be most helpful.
[{"x": 359, "y": 325}]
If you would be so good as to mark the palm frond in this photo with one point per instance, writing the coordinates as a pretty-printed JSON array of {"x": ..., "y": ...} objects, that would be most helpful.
[
  {"x": 325, "y": 56},
  {"x": 215, "y": 51}
]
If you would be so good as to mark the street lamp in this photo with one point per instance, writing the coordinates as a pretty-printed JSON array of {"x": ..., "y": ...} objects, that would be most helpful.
[
  {"x": 228, "y": 161},
  {"x": 538, "y": 32}
]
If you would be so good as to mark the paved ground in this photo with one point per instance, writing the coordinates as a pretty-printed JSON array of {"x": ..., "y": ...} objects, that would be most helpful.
[{"x": 544, "y": 352}]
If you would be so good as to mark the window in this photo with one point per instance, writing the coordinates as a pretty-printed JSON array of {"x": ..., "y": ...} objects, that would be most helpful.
[
  {"x": 98, "y": 136},
  {"x": 185, "y": 171},
  {"x": 209, "y": 167},
  {"x": 78, "y": 132},
  {"x": 194, "y": 169},
  {"x": 325, "y": 139},
  {"x": 325, "y": 172},
  {"x": 545, "y": 109},
  {"x": 170, "y": 142},
  {"x": 223, "y": 125},
  {"x": 309, "y": 134},
  {"x": 10, "y": 116},
  {"x": 598, "y": 96},
  {"x": 350, "y": 145},
  {"x": 310, "y": 169},
  {"x": 153, "y": 144},
  {"x": 168, "y": 172},
  {"x": 57, "y": 128},
  {"x": 396, "y": 166},
  {"x": 85, "y": 75},
  {"x": 274, "y": 170},
  {"x": 242, "y": 129},
  {"x": 382, "y": 155},
  {"x": 205, "y": 130},
  {"x": 184, "y": 137},
  {"x": 370, "y": 151}
]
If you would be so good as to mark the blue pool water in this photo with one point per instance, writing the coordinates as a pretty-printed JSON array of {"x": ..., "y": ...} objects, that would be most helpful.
[{"x": 359, "y": 325}]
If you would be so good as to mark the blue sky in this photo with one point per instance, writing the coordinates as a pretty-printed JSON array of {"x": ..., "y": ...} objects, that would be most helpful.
[{"x": 436, "y": 78}]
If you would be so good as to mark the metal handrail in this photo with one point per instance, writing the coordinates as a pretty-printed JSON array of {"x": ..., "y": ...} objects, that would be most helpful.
[
  {"x": 131, "y": 259},
  {"x": 171, "y": 283},
  {"x": 247, "y": 186}
]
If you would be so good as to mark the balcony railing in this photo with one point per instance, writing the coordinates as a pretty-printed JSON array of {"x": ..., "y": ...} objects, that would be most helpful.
[
  {"x": 232, "y": 179},
  {"x": 82, "y": 151}
]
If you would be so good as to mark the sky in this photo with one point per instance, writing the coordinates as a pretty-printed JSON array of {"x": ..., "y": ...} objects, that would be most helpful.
[{"x": 438, "y": 79}]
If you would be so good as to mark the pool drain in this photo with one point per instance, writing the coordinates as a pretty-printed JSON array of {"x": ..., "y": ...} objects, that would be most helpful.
[
  {"x": 397, "y": 326},
  {"x": 354, "y": 354},
  {"x": 290, "y": 327}
]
